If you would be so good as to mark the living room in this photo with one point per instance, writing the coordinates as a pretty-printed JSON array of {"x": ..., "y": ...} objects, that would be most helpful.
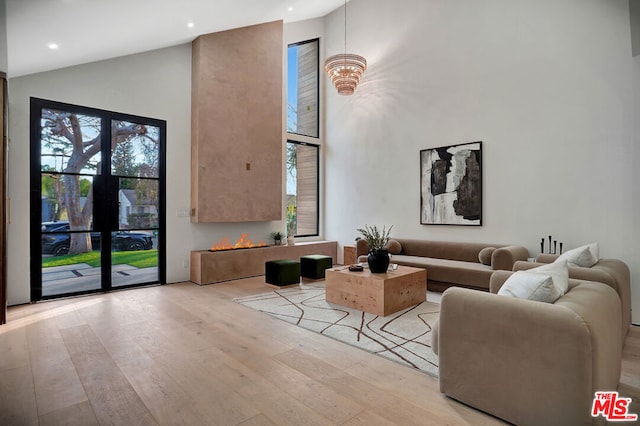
[{"x": 551, "y": 89}]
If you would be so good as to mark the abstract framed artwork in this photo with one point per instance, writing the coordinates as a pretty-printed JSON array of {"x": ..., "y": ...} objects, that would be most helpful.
[{"x": 451, "y": 185}]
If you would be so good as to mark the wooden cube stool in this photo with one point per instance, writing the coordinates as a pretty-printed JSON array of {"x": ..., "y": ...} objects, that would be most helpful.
[
  {"x": 282, "y": 272},
  {"x": 314, "y": 265}
]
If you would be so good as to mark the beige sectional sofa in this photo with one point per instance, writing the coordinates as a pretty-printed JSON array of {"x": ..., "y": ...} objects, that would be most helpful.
[
  {"x": 529, "y": 362},
  {"x": 451, "y": 263},
  {"x": 612, "y": 272}
]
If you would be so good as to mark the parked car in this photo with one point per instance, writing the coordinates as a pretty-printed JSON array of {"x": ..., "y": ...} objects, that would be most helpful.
[{"x": 56, "y": 240}]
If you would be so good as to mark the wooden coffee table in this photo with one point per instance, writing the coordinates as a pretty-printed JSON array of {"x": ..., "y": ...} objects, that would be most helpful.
[{"x": 378, "y": 294}]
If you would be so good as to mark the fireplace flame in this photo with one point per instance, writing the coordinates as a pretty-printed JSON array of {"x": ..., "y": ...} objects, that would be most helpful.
[{"x": 243, "y": 242}]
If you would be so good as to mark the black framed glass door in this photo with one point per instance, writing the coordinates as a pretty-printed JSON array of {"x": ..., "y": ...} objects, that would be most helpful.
[{"x": 97, "y": 200}]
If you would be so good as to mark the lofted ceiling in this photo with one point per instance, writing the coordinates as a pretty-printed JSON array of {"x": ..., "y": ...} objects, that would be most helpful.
[{"x": 91, "y": 30}]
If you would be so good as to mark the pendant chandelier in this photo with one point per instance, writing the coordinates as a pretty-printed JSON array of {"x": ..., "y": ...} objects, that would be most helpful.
[{"x": 345, "y": 69}]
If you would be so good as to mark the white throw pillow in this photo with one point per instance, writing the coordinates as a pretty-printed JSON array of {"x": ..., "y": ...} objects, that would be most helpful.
[
  {"x": 558, "y": 271},
  {"x": 531, "y": 286},
  {"x": 585, "y": 256}
]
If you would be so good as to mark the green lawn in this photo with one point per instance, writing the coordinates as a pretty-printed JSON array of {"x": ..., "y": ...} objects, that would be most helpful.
[{"x": 139, "y": 259}]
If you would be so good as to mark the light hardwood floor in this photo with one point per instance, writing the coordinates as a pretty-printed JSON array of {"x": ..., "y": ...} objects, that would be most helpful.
[{"x": 185, "y": 354}]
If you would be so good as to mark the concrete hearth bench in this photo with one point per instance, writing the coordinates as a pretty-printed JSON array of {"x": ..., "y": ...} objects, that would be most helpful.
[{"x": 213, "y": 267}]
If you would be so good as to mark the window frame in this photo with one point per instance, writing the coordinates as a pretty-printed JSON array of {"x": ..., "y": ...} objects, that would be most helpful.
[
  {"x": 317, "y": 128},
  {"x": 35, "y": 166},
  {"x": 317, "y": 216}
]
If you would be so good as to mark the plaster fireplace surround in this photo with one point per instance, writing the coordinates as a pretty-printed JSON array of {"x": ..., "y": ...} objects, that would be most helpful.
[
  {"x": 237, "y": 139},
  {"x": 237, "y": 147}
]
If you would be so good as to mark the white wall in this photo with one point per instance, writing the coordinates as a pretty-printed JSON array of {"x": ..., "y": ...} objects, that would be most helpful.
[
  {"x": 547, "y": 87},
  {"x": 635, "y": 188},
  {"x": 154, "y": 84},
  {"x": 3, "y": 36}
]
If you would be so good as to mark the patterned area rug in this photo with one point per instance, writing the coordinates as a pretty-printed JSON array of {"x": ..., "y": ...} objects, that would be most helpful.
[{"x": 404, "y": 337}]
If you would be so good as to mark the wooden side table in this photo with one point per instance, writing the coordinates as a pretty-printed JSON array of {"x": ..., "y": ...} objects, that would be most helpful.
[{"x": 349, "y": 255}]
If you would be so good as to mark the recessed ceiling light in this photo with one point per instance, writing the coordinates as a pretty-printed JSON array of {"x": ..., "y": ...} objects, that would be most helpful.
[
  {"x": 290, "y": 9},
  {"x": 191, "y": 25},
  {"x": 53, "y": 46}
]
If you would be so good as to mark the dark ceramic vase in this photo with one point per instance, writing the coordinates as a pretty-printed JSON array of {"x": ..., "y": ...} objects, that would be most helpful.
[{"x": 378, "y": 261}]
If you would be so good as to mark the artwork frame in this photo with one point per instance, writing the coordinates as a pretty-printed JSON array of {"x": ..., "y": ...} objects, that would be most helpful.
[{"x": 451, "y": 185}]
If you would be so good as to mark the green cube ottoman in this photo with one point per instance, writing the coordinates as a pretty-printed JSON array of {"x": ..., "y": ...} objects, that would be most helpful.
[
  {"x": 282, "y": 272},
  {"x": 314, "y": 265}
]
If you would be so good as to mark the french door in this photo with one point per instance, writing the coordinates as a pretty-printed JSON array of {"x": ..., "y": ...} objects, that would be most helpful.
[{"x": 97, "y": 200}]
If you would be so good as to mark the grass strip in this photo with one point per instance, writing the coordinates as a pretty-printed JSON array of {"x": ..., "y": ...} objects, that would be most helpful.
[{"x": 139, "y": 259}]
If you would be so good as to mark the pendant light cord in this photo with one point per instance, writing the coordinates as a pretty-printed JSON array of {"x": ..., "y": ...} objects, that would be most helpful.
[{"x": 345, "y": 26}]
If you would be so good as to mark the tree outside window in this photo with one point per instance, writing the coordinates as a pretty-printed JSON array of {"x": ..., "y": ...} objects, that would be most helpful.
[{"x": 70, "y": 152}]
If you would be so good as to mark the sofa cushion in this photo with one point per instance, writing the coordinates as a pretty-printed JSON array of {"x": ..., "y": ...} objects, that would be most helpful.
[
  {"x": 485, "y": 255},
  {"x": 394, "y": 247},
  {"x": 559, "y": 273},
  {"x": 585, "y": 256},
  {"x": 532, "y": 286},
  {"x": 468, "y": 274},
  {"x": 467, "y": 252}
]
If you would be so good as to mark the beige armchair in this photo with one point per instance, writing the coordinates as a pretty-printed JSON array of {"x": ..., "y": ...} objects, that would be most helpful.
[
  {"x": 612, "y": 272},
  {"x": 527, "y": 362}
]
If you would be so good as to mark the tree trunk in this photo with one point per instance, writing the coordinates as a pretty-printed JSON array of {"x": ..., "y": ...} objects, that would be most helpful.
[{"x": 81, "y": 242}]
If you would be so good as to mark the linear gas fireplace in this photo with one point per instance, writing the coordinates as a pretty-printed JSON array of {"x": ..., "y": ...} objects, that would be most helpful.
[{"x": 241, "y": 243}]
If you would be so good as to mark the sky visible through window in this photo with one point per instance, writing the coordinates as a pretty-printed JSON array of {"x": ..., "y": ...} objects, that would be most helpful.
[
  {"x": 292, "y": 88},
  {"x": 292, "y": 102}
]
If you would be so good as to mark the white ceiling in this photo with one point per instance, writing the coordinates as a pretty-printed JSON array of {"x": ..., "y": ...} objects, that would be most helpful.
[{"x": 91, "y": 30}]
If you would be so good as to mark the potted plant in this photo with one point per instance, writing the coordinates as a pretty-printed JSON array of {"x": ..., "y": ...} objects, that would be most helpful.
[
  {"x": 277, "y": 237},
  {"x": 377, "y": 240}
]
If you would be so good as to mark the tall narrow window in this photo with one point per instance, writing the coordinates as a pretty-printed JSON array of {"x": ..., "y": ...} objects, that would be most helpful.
[
  {"x": 303, "y": 188},
  {"x": 302, "y": 88}
]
